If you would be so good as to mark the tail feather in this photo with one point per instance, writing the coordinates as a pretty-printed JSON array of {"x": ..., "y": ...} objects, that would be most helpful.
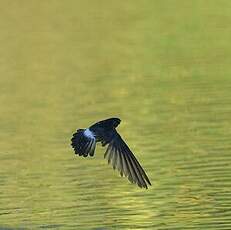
[{"x": 83, "y": 145}]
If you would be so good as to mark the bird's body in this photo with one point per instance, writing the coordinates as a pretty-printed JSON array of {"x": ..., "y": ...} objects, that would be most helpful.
[{"x": 118, "y": 153}]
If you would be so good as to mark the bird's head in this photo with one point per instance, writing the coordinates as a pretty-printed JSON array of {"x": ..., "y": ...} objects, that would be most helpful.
[
  {"x": 115, "y": 121},
  {"x": 106, "y": 124}
]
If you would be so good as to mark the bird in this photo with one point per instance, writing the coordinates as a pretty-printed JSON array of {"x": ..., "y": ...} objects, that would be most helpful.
[{"x": 117, "y": 153}]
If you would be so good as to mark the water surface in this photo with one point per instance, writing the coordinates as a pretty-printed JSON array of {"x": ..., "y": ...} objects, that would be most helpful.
[{"x": 163, "y": 67}]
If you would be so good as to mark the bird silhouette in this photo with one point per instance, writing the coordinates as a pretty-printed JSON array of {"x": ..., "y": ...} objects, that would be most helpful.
[{"x": 118, "y": 153}]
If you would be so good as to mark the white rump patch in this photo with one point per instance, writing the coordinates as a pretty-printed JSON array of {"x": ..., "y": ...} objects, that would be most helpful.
[{"x": 88, "y": 133}]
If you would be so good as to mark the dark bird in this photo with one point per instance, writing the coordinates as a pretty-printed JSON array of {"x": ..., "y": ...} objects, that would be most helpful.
[{"x": 118, "y": 153}]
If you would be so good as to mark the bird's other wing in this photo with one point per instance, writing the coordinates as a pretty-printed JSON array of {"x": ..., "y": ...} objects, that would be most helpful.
[
  {"x": 83, "y": 142},
  {"x": 121, "y": 158}
]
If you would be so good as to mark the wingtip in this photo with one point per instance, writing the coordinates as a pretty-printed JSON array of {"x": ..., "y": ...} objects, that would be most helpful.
[{"x": 143, "y": 186}]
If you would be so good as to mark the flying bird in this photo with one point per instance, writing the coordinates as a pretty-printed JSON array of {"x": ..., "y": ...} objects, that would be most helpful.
[{"x": 118, "y": 153}]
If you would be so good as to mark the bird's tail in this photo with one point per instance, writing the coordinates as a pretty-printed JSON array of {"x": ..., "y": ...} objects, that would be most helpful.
[{"x": 82, "y": 144}]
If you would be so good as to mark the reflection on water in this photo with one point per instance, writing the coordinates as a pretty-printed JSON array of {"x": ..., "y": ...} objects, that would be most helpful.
[{"x": 66, "y": 66}]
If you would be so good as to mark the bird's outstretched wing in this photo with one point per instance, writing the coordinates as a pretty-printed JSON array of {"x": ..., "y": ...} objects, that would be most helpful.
[
  {"x": 83, "y": 143},
  {"x": 121, "y": 158}
]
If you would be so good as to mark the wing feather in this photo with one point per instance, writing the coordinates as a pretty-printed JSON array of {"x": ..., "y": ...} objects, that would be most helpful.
[
  {"x": 122, "y": 159},
  {"x": 123, "y": 164},
  {"x": 135, "y": 169},
  {"x": 128, "y": 171}
]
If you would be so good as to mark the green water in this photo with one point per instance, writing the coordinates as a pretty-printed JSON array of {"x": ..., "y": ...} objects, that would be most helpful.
[{"x": 163, "y": 67}]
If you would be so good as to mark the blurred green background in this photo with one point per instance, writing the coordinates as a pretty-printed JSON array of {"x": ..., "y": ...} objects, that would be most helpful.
[{"x": 162, "y": 66}]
